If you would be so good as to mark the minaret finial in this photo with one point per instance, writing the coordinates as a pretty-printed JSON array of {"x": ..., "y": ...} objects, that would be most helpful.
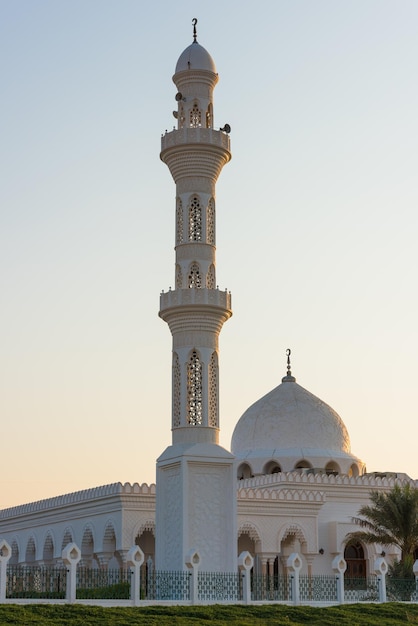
[
  {"x": 288, "y": 353},
  {"x": 288, "y": 378},
  {"x": 194, "y": 22}
]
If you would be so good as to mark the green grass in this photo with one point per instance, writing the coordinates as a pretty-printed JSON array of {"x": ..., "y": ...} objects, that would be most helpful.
[{"x": 390, "y": 614}]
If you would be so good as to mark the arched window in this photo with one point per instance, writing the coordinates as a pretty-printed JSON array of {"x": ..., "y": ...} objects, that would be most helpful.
[
  {"x": 356, "y": 563},
  {"x": 179, "y": 277},
  {"x": 30, "y": 551},
  {"x": 209, "y": 116},
  {"x": 48, "y": 553},
  {"x": 272, "y": 467},
  {"x": 14, "y": 559},
  {"x": 87, "y": 546},
  {"x": 194, "y": 389},
  {"x": 213, "y": 391},
  {"x": 244, "y": 471},
  {"x": 195, "y": 279},
  {"x": 176, "y": 391},
  {"x": 353, "y": 471},
  {"x": 67, "y": 538},
  {"x": 179, "y": 222},
  {"x": 195, "y": 220},
  {"x": 332, "y": 468},
  {"x": 210, "y": 222},
  {"x": 182, "y": 117},
  {"x": 195, "y": 116},
  {"x": 210, "y": 280},
  {"x": 146, "y": 541},
  {"x": 303, "y": 464}
]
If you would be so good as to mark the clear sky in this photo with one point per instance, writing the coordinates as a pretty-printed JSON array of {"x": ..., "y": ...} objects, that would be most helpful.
[{"x": 316, "y": 225}]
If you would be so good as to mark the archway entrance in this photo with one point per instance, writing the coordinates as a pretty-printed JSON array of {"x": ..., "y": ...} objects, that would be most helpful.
[{"x": 356, "y": 563}]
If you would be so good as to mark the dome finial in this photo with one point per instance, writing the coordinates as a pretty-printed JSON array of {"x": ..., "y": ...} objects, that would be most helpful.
[
  {"x": 288, "y": 378},
  {"x": 194, "y": 22}
]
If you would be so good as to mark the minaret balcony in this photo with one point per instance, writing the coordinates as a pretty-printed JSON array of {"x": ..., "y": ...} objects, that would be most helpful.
[
  {"x": 198, "y": 135},
  {"x": 186, "y": 297}
]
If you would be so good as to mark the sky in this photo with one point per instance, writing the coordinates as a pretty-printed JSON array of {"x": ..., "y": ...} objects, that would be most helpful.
[{"x": 316, "y": 225}]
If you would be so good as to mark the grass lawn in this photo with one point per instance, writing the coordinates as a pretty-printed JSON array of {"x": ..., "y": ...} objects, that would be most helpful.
[{"x": 390, "y": 614}]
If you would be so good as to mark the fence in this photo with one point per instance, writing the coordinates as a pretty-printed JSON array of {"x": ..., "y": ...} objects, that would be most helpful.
[{"x": 131, "y": 585}]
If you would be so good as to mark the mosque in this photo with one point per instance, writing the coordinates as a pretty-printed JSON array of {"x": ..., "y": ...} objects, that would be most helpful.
[{"x": 290, "y": 482}]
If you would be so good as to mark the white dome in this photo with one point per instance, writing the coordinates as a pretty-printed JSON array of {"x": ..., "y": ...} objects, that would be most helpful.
[
  {"x": 290, "y": 417},
  {"x": 290, "y": 425},
  {"x": 195, "y": 57}
]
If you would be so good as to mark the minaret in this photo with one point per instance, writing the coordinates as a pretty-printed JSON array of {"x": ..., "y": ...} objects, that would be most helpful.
[{"x": 196, "y": 491}]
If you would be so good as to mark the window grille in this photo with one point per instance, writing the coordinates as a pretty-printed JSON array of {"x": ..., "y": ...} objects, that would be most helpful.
[
  {"x": 195, "y": 116},
  {"x": 194, "y": 390},
  {"x": 176, "y": 391},
  {"x": 179, "y": 222},
  {"x": 195, "y": 220},
  {"x": 213, "y": 391},
  {"x": 211, "y": 278},
  {"x": 195, "y": 279},
  {"x": 210, "y": 222}
]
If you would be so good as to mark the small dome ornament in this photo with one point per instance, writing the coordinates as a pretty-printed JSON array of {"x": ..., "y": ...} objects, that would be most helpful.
[
  {"x": 194, "y": 22},
  {"x": 288, "y": 378}
]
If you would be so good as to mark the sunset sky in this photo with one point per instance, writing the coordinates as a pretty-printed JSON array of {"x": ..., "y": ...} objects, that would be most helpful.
[{"x": 317, "y": 225}]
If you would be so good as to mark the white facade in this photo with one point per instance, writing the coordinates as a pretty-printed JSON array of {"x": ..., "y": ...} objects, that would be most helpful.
[{"x": 291, "y": 483}]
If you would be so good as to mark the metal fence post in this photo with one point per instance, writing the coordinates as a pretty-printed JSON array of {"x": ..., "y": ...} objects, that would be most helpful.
[
  {"x": 294, "y": 564},
  {"x": 134, "y": 561},
  {"x": 5, "y": 555},
  {"x": 245, "y": 563},
  {"x": 192, "y": 563},
  {"x": 71, "y": 556},
  {"x": 381, "y": 569},
  {"x": 338, "y": 567}
]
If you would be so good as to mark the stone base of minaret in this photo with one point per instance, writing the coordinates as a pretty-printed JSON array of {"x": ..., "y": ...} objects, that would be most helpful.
[{"x": 196, "y": 508}]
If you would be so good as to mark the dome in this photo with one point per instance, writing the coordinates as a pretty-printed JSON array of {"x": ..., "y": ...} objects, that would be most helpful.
[
  {"x": 195, "y": 57},
  {"x": 290, "y": 417},
  {"x": 295, "y": 429}
]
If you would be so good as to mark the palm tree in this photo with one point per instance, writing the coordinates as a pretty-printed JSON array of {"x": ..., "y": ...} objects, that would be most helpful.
[{"x": 391, "y": 519}]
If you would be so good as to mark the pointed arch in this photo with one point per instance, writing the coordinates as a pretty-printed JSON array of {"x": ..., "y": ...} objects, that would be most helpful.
[
  {"x": 176, "y": 383},
  {"x": 30, "y": 553},
  {"x": 182, "y": 117},
  {"x": 194, "y": 389},
  {"x": 354, "y": 471},
  {"x": 68, "y": 537},
  {"x": 213, "y": 391},
  {"x": 145, "y": 539},
  {"x": 354, "y": 556},
  {"x": 14, "y": 559},
  {"x": 209, "y": 116},
  {"x": 289, "y": 536},
  {"x": 210, "y": 279},
  {"x": 195, "y": 219},
  {"x": 49, "y": 547},
  {"x": 195, "y": 116},
  {"x": 195, "y": 277},
  {"x": 303, "y": 464},
  {"x": 109, "y": 537},
  {"x": 179, "y": 222},
  {"x": 272, "y": 467},
  {"x": 250, "y": 529},
  {"x": 210, "y": 222},
  {"x": 87, "y": 543},
  {"x": 332, "y": 468},
  {"x": 179, "y": 277},
  {"x": 244, "y": 470}
]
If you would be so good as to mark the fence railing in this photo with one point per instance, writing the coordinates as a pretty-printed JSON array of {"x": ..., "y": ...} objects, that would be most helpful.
[
  {"x": 36, "y": 582},
  {"x": 50, "y": 583},
  {"x": 136, "y": 583}
]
